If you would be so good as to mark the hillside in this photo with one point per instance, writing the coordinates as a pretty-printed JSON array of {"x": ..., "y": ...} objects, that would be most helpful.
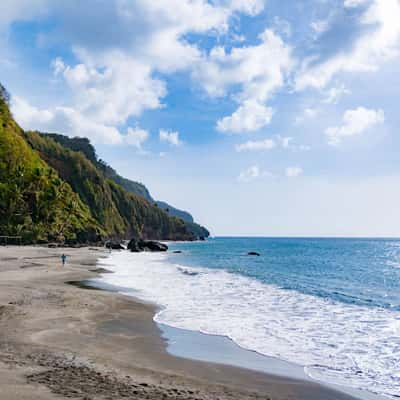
[
  {"x": 83, "y": 145},
  {"x": 55, "y": 189},
  {"x": 122, "y": 214},
  {"x": 34, "y": 202}
]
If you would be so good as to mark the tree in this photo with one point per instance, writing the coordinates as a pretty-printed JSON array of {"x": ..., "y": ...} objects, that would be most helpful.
[{"x": 4, "y": 95}]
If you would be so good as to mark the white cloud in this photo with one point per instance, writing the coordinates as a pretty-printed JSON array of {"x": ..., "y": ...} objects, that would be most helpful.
[
  {"x": 114, "y": 75},
  {"x": 21, "y": 10},
  {"x": 170, "y": 137},
  {"x": 136, "y": 137},
  {"x": 249, "y": 7},
  {"x": 261, "y": 145},
  {"x": 102, "y": 93},
  {"x": 258, "y": 71},
  {"x": 335, "y": 93},
  {"x": 65, "y": 120},
  {"x": 368, "y": 52},
  {"x": 293, "y": 172},
  {"x": 252, "y": 173},
  {"x": 26, "y": 114},
  {"x": 355, "y": 122},
  {"x": 284, "y": 142},
  {"x": 250, "y": 116}
]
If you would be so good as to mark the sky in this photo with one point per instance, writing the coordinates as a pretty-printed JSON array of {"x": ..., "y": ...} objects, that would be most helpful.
[{"x": 260, "y": 117}]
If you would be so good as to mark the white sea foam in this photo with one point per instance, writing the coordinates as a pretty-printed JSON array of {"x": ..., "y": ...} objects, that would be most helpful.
[{"x": 337, "y": 343}]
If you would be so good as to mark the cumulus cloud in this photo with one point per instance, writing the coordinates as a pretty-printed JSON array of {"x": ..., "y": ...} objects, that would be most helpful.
[
  {"x": 260, "y": 145},
  {"x": 251, "y": 173},
  {"x": 71, "y": 122},
  {"x": 104, "y": 94},
  {"x": 136, "y": 137},
  {"x": 170, "y": 137},
  {"x": 64, "y": 120},
  {"x": 293, "y": 172},
  {"x": 121, "y": 46},
  {"x": 355, "y": 122},
  {"x": 377, "y": 43},
  {"x": 257, "y": 70},
  {"x": 249, "y": 117}
]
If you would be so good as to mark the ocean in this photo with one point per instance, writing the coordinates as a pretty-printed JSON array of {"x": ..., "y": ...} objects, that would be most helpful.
[{"x": 331, "y": 306}]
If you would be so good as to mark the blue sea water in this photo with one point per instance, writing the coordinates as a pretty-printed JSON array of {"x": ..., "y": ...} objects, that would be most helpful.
[
  {"x": 329, "y": 305},
  {"x": 354, "y": 271}
]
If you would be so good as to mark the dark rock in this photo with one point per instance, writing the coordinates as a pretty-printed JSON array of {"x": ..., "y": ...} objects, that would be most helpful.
[
  {"x": 136, "y": 246},
  {"x": 133, "y": 246},
  {"x": 177, "y": 251},
  {"x": 202, "y": 238},
  {"x": 253, "y": 253},
  {"x": 114, "y": 245},
  {"x": 151, "y": 245}
]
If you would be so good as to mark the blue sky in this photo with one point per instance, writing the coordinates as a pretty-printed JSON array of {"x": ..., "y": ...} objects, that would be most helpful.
[{"x": 261, "y": 117}]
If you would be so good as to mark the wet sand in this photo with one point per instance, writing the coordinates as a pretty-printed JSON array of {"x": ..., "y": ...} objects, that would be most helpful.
[{"x": 61, "y": 341}]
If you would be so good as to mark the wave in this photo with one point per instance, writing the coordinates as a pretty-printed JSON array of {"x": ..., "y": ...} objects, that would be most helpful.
[{"x": 339, "y": 343}]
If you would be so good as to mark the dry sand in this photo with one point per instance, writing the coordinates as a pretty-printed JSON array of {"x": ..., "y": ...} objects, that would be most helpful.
[{"x": 58, "y": 341}]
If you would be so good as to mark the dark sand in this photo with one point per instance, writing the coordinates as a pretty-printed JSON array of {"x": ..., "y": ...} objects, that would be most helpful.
[{"x": 60, "y": 341}]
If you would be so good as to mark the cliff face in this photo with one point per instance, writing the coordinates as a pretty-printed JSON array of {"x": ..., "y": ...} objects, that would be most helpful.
[
  {"x": 83, "y": 145},
  {"x": 53, "y": 188}
]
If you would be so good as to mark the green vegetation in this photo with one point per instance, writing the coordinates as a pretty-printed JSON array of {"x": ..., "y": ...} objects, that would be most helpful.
[
  {"x": 84, "y": 146},
  {"x": 120, "y": 213},
  {"x": 54, "y": 188},
  {"x": 34, "y": 202}
]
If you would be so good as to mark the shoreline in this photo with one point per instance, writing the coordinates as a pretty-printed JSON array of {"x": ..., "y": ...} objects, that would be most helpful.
[
  {"x": 59, "y": 340},
  {"x": 225, "y": 351}
]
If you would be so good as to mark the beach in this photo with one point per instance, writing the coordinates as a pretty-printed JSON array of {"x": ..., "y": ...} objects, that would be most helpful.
[{"x": 59, "y": 340}]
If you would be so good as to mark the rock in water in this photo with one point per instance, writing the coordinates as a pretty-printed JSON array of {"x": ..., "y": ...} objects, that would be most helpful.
[
  {"x": 253, "y": 253},
  {"x": 137, "y": 246},
  {"x": 151, "y": 245}
]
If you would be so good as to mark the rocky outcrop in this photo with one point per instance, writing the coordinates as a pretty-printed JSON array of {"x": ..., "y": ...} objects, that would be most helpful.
[
  {"x": 114, "y": 246},
  {"x": 253, "y": 253},
  {"x": 137, "y": 246}
]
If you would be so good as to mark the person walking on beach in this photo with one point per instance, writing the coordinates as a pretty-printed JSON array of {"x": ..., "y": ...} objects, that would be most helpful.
[{"x": 63, "y": 259}]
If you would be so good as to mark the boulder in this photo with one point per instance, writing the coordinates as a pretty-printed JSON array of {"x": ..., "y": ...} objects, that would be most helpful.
[
  {"x": 133, "y": 246},
  {"x": 177, "y": 252},
  {"x": 137, "y": 246},
  {"x": 152, "y": 245},
  {"x": 114, "y": 245},
  {"x": 253, "y": 253}
]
